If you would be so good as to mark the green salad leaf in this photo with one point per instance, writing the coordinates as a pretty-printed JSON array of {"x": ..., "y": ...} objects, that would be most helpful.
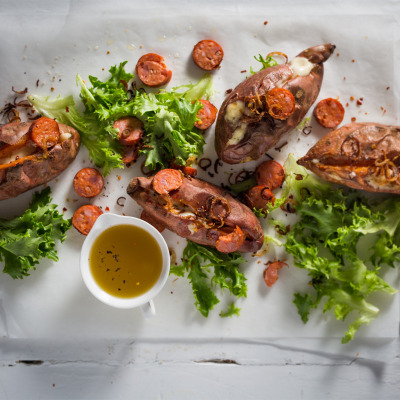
[
  {"x": 230, "y": 311},
  {"x": 265, "y": 63},
  {"x": 169, "y": 118},
  {"x": 26, "y": 239},
  {"x": 207, "y": 269},
  {"x": 329, "y": 242},
  {"x": 103, "y": 103}
]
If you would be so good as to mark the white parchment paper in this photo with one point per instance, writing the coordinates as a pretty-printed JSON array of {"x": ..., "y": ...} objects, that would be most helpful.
[{"x": 47, "y": 51}]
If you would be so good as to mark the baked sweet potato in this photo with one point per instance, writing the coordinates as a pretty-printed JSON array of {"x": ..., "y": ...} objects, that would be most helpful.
[
  {"x": 362, "y": 156},
  {"x": 199, "y": 211},
  {"x": 248, "y": 126},
  {"x": 24, "y": 164}
]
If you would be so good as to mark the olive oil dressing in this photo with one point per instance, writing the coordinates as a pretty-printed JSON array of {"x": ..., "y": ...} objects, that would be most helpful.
[{"x": 125, "y": 261}]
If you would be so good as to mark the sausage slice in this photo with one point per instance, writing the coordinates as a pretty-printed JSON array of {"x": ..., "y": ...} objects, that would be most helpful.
[
  {"x": 270, "y": 174},
  {"x": 207, "y": 115},
  {"x": 130, "y": 130},
  {"x": 281, "y": 103},
  {"x": 45, "y": 132},
  {"x": 230, "y": 242},
  {"x": 259, "y": 196},
  {"x": 208, "y": 54},
  {"x": 88, "y": 182},
  {"x": 85, "y": 217},
  {"x": 167, "y": 180},
  {"x": 152, "y": 70},
  {"x": 329, "y": 113}
]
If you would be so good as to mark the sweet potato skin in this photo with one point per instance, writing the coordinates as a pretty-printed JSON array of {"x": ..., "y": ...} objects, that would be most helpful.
[
  {"x": 195, "y": 193},
  {"x": 363, "y": 156},
  {"x": 262, "y": 135},
  {"x": 38, "y": 169}
]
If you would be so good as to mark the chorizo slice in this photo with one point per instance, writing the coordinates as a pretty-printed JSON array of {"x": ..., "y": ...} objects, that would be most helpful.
[
  {"x": 85, "y": 217},
  {"x": 270, "y": 174},
  {"x": 152, "y": 70},
  {"x": 258, "y": 197},
  {"x": 329, "y": 113},
  {"x": 129, "y": 154},
  {"x": 207, "y": 115},
  {"x": 208, "y": 54},
  {"x": 152, "y": 221},
  {"x": 281, "y": 103},
  {"x": 271, "y": 272},
  {"x": 151, "y": 57},
  {"x": 166, "y": 180},
  {"x": 45, "y": 132},
  {"x": 185, "y": 169},
  {"x": 130, "y": 130},
  {"x": 88, "y": 182},
  {"x": 230, "y": 242}
]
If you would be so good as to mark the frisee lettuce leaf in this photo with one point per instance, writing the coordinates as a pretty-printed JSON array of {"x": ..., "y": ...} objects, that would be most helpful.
[
  {"x": 265, "y": 63},
  {"x": 169, "y": 119},
  {"x": 103, "y": 103},
  {"x": 26, "y": 239},
  {"x": 326, "y": 243},
  {"x": 207, "y": 269},
  {"x": 230, "y": 311}
]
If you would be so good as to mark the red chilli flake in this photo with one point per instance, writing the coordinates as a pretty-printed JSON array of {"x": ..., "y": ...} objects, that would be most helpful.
[
  {"x": 107, "y": 208},
  {"x": 265, "y": 22}
]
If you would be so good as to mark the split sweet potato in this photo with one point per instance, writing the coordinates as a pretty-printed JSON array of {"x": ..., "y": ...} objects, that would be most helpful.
[
  {"x": 24, "y": 164},
  {"x": 362, "y": 156},
  {"x": 253, "y": 118},
  {"x": 199, "y": 211}
]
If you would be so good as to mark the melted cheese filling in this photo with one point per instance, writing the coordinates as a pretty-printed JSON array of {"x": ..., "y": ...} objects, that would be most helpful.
[
  {"x": 238, "y": 135},
  {"x": 301, "y": 66},
  {"x": 234, "y": 111}
]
